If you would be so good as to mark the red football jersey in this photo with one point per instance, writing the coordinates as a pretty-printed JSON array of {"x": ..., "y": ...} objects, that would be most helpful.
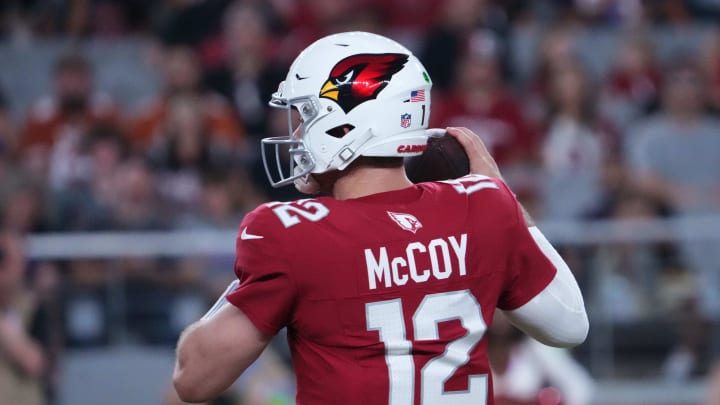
[{"x": 387, "y": 297}]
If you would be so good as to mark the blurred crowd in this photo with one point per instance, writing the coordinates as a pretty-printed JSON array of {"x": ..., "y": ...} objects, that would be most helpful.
[{"x": 640, "y": 140}]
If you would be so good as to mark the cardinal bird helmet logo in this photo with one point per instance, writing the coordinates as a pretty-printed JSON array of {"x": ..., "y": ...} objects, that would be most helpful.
[{"x": 359, "y": 78}]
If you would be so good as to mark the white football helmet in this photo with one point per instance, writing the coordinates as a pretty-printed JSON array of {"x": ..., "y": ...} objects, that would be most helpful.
[{"x": 357, "y": 94}]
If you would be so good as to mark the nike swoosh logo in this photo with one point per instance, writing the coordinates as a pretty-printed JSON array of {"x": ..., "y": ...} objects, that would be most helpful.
[
  {"x": 297, "y": 76},
  {"x": 247, "y": 236}
]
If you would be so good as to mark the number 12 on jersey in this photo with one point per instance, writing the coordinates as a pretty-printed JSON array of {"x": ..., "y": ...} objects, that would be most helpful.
[{"x": 386, "y": 317}]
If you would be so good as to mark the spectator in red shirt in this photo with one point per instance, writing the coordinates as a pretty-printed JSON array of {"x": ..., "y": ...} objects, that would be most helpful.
[
  {"x": 576, "y": 146},
  {"x": 73, "y": 104},
  {"x": 183, "y": 153},
  {"x": 250, "y": 72},
  {"x": 557, "y": 47},
  {"x": 181, "y": 71},
  {"x": 460, "y": 24},
  {"x": 633, "y": 84},
  {"x": 57, "y": 124},
  {"x": 481, "y": 102}
]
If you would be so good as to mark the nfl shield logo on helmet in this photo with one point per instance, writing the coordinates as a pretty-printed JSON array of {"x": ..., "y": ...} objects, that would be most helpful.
[
  {"x": 405, "y": 120},
  {"x": 405, "y": 221}
]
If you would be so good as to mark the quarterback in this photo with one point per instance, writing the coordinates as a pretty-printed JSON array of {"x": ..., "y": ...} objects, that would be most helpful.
[{"x": 386, "y": 288}]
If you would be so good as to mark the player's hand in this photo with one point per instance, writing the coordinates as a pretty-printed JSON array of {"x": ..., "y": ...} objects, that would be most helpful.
[{"x": 480, "y": 160}]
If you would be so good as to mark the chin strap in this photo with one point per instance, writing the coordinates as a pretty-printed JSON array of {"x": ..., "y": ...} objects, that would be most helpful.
[{"x": 349, "y": 152}]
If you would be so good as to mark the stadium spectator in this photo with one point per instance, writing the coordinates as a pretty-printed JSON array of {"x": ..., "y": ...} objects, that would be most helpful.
[
  {"x": 22, "y": 360},
  {"x": 675, "y": 156},
  {"x": 626, "y": 275},
  {"x": 22, "y": 206},
  {"x": 243, "y": 192},
  {"x": 668, "y": 12},
  {"x": 611, "y": 12},
  {"x": 184, "y": 150},
  {"x": 20, "y": 202},
  {"x": 676, "y": 153},
  {"x": 194, "y": 25},
  {"x": 481, "y": 101},
  {"x": 463, "y": 25},
  {"x": 687, "y": 358},
  {"x": 136, "y": 205},
  {"x": 42, "y": 19},
  {"x": 407, "y": 18},
  {"x": 182, "y": 73},
  {"x": 85, "y": 204},
  {"x": 251, "y": 72},
  {"x": 57, "y": 124},
  {"x": 313, "y": 19},
  {"x": 575, "y": 147},
  {"x": 558, "y": 47},
  {"x": 632, "y": 86}
]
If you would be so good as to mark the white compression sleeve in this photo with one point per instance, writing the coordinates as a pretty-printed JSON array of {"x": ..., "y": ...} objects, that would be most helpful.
[
  {"x": 556, "y": 316},
  {"x": 221, "y": 301}
]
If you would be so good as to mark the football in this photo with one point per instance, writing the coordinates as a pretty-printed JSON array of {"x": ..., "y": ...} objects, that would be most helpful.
[{"x": 443, "y": 159}]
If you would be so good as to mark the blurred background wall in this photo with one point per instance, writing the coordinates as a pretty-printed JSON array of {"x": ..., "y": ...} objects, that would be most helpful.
[{"x": 129, "y": 152}]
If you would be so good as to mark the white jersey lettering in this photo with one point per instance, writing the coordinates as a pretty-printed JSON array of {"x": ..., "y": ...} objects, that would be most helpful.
[
  {"x": 378, "y": 269},
  {"x": 389, "y": 271}
]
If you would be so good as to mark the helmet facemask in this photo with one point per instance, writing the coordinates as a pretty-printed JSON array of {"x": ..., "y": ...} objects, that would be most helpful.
[{"x": 291, "y": 148}]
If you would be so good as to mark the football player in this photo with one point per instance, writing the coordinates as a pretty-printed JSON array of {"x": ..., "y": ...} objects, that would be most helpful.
[{"x": 386, "y": 288}]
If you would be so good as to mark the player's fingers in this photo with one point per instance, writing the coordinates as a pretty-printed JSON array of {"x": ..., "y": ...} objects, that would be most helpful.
[
  {"x": 471, "y": 142},
  {"x": 465, "y": 140},
  {"x": 481, "y": 162},
  {"x": 472, "y": 150},
  {"x": 475, "y": 139},
  {"x": 479, "y": 145}
]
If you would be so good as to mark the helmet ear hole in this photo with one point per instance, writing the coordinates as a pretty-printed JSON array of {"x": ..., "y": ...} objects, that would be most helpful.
[{"x": 340, "y": 130}]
